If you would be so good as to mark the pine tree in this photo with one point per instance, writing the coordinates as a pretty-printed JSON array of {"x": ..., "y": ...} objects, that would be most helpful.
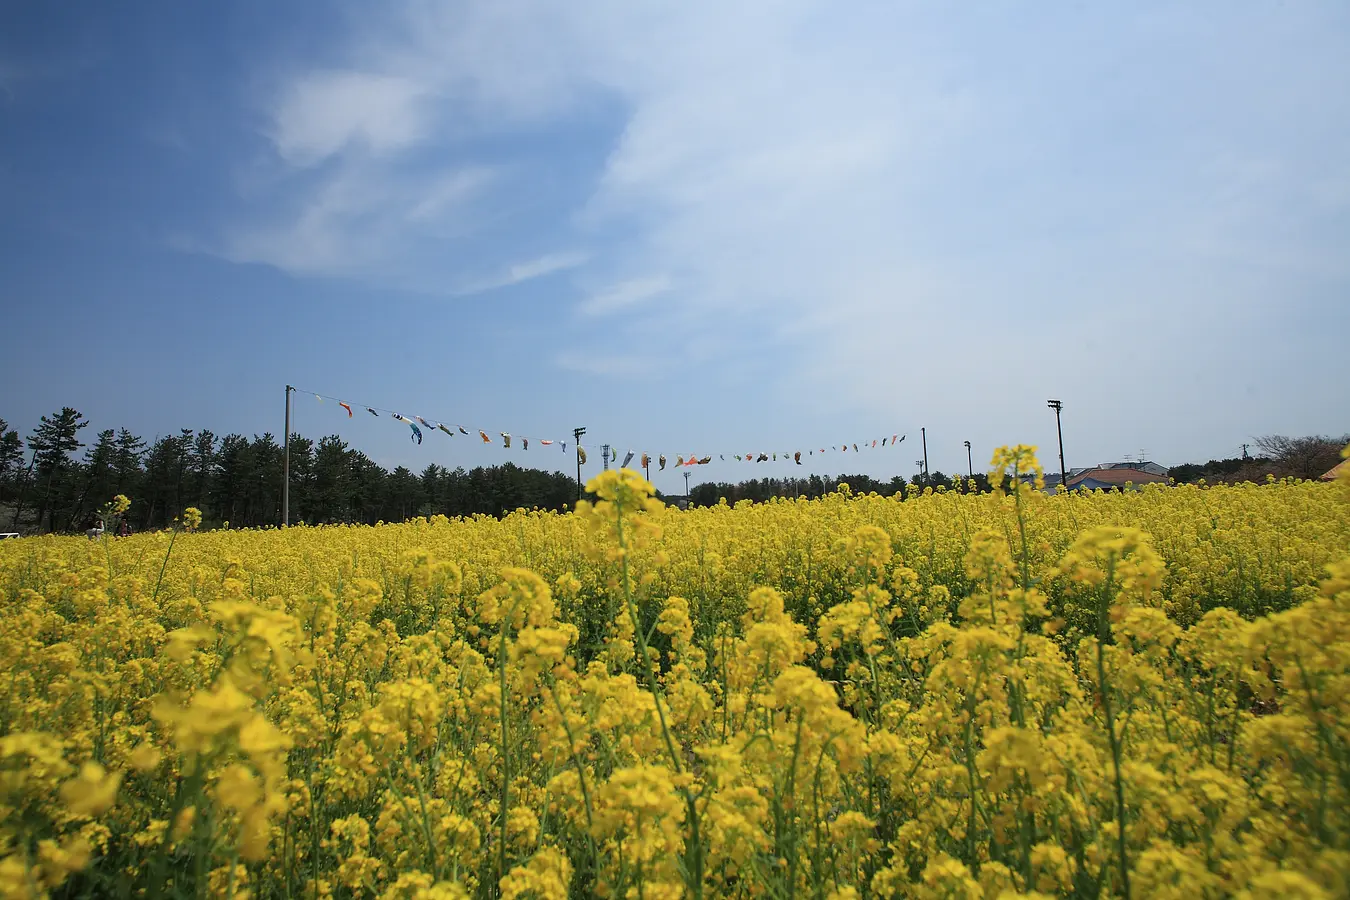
[
  {"x": 53, "y": 441},
  {"x": 11, "y": 459},
  {"x": 127, "y": 462}
]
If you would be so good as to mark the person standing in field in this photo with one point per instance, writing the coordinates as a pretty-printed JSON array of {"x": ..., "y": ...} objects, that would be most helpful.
[{"x": 96, "y": 530}]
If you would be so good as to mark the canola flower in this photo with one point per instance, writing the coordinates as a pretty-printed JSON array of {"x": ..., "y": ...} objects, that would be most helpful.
[{"x": 946, "y": 695}]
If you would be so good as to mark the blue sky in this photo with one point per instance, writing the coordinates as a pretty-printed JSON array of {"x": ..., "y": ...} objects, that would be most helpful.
[{"x": 700, "y": 227}]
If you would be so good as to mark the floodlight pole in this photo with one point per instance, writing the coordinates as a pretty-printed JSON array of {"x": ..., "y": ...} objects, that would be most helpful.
[
  {"x": 923, "y": 433},
  {"x": 1057, "y": 406},
  {"x": 286, "y": 465},
  {"x": 576, "y": 434},
  {"x": 970, "y": 467}
]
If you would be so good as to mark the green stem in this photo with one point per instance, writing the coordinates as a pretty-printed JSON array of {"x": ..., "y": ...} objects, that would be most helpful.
[
  {"x": 1103, "y": 632},
  {"x": 173, "y": 536}
]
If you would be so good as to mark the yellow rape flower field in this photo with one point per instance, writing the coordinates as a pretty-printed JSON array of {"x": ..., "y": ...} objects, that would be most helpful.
[{"x": 951, "y": 695}]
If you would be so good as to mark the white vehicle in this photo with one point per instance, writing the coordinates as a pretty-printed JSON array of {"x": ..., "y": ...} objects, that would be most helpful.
[{"x": 8, "y": 534}]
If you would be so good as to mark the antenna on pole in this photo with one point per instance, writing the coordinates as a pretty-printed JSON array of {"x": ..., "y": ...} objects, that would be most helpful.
[{"x": 604, "y": 454}]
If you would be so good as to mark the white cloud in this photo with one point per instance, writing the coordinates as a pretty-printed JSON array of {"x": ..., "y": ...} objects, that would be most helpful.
[
  {"x": 625, "y": 294},
  {"x": 892, "y": 208},
  {"x": 324, "y": 112},
  {"x": 539, "y": 267},
  {"x": 364, "y": 223},
  {"x": 605, "y": 366}
]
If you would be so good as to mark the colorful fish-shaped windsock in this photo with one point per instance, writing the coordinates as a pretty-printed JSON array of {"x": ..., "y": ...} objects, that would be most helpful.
[
  {"x": 444, "y": 428},
  {"x": 486, "y": 439},
  {"x": 627, "y": 458},
  {"x": 417, "y": 432},
  {"x": 855, "y": 448},
  {"x": 662, "y": 460},
  {"x": 461, "y": 430},
  {"x": 400, "y": 418},
  {"x": 581, "y": 455},
  {"x": 763, "y": 457},
  {"x": 423, "y": 421},
  {"x": 346, "y": 407},
  {"x": 545, "y": 443},
  {"x": 705, "y": 460},
  {"x": 524, "y": 443},
  {"x": 874, "y": 443},
  {"x": 797, "y": 457},
  {"x": 506, "y": 439},
  {"x": 646, "y": 460},
  {"x": 679, "y": 461},
  {"x": 372, "y": 412},
  {"x": 883, "y": 442}
]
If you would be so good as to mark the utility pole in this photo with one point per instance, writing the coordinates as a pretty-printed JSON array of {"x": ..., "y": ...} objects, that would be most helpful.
[
  {"x": 604, "y": 454},
  {"x": 686, "y": 490},
  {"x": 970, "y": 467},
  {"x": 577, "y": 433},
  {"x": 286, "y": 466},
  {"x": 1057, "y": 406},
  {"x": 923, "y": 433}
]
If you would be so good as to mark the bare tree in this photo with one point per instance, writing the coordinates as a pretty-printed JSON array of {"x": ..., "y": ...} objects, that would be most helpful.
[{"x": 1304, "y": 457}]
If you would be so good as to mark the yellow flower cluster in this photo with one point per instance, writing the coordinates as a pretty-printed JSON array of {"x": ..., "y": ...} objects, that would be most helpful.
[{"x": 940, "y": 695}]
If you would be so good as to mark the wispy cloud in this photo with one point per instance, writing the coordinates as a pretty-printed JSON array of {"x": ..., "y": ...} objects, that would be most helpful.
[
  {"x": 539, "y": 267},
  {"x": 624, "y": 294},
  {"x": 604, "y": 365},
  {"x": 323, "y": 113}
]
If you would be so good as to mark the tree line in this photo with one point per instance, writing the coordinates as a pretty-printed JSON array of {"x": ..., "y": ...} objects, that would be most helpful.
[
  {"x": 759, "y": 490},
  {"x": 48, "y": 485},
  {"x": 1306, "y": 457}
]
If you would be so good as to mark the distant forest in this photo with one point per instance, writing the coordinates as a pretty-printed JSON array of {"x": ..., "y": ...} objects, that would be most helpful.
[
  {"x": 59, "y": 477},
  {"x": 47, "y": 484}
]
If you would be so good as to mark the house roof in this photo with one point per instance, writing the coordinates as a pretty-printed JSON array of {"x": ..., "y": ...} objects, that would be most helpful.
[
  {"x": 1140, "y": 465},
  {"x": 1336, "y": 471},
  {"x": 1117, "y": 477}
]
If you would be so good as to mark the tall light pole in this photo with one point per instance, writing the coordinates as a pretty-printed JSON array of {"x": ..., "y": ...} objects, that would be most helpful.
[
  {"x": 970, "y": 467},
  {"x": 577, "y": 433},
  {"x": 1057, "y": 406},
  {"x": 286, "y": 466},
  {"x": 923, "y": 433}
]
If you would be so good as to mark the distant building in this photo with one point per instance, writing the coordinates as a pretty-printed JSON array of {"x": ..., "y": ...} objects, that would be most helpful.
[
  {"x": 1336, "y": 471},
  {"x": 1106, "y": 478},
  {"x": 1151, "y": 468},
  {"x": 1052, "y": 478}
]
